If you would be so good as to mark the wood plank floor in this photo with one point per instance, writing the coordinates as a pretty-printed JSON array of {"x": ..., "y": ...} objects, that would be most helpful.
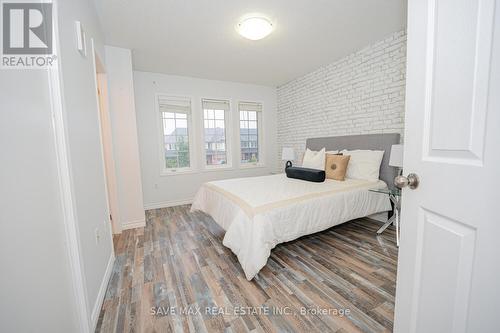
[{"x": 167, "y": 274}]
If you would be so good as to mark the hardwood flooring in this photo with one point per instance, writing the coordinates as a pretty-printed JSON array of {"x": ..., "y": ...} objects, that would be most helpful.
[{"x": 167, "y": 274}]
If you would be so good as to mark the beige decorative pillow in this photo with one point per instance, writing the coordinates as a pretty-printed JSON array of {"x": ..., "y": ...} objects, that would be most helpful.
[{"x": 336, "y": 166}]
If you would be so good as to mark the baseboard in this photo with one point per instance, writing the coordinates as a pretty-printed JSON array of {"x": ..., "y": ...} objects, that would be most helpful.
[
  {"x": 102, "y": 291},
  {"x": 165, "y": 204},
  {"x": 134, "y": 224}
]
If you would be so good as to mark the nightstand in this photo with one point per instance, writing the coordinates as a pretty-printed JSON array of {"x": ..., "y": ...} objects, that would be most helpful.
[{"x": 395, "y": 197}]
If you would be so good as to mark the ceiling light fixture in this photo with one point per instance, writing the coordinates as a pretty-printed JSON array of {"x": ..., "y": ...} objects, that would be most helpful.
[{"x": 255, "y": 27}]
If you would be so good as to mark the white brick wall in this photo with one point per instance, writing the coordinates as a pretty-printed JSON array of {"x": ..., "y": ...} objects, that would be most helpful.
[{"x": 359, "y": 94}]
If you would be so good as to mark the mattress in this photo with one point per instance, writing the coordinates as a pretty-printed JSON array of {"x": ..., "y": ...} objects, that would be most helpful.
[{"x": 260, "y": 212}]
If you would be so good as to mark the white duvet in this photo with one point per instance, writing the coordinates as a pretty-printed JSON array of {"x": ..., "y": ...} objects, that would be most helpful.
[{"x": 260, "y": 212}]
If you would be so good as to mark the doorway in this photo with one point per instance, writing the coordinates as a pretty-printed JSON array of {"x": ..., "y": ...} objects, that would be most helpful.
[{"x": 107, "y": 143}]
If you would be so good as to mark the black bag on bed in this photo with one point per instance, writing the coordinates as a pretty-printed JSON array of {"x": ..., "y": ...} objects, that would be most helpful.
[{"x": 310, "y": 175}]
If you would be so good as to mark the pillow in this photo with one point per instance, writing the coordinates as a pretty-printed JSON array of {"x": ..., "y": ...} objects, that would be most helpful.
[
  {"x": 364, "y": 164},
  {"x": 336, "y": 166},
  {"x": 310, "y": 175},
  {"x": 332, "y": 152},
  {"x": 314, "y": 159}
]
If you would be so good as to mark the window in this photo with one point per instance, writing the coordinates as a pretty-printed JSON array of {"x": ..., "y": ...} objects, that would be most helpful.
[
  {"x": 175, "y": 113},
  {"x": 214, "y": 120},
  {"x": 250, "y": 131}
]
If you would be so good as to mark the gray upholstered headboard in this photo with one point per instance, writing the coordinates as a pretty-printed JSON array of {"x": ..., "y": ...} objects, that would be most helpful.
[{"x": 368, "y": 141}]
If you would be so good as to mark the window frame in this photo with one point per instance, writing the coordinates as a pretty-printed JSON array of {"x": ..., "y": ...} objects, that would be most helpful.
[
  {"x": 164, "y": 171},
  {"x": 228, "y": 136},
  {"x": 260, "y": 137}
]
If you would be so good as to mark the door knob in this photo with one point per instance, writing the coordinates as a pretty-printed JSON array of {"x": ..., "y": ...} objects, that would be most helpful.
[{"x": 411, "y": 181}]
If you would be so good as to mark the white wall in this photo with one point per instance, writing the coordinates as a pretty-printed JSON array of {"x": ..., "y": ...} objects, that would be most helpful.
[
  {"x": 35, "y": 261},
  {"x": 359, "y": 94},
  {"x": 160, "y": 191},
  {"x": 34, "y": 264},
  {"x": 125, "y": 141},
  {"x": 83, "y": 134}
]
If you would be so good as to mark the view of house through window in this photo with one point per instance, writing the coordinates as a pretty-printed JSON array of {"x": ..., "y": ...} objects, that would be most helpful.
[
  {"x": 175, "y": 115},
  {"x": 214, "y": 120},
  {"x": 175, "y": 118},
  {"x": 249, "y": 131}
]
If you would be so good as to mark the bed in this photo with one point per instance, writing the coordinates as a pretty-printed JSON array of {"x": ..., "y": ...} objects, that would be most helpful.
[{"x": 258, "y": 213}]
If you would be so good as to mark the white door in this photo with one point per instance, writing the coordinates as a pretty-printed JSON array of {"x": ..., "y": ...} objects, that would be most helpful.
[{"x": 449, "y": 260}]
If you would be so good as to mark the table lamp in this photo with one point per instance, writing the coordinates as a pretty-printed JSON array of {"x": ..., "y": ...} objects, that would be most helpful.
[
  {"x": 396, "y": 158},
  {"x": 288, "y": 155}
]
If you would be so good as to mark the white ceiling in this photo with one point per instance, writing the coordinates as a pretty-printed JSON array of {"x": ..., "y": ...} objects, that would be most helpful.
[{"x": 198, "y": 38}]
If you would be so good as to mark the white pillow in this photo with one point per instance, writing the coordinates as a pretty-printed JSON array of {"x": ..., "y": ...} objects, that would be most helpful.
[
  {"x": 332, "y": 152},
  {"x": 364, "y": 164},
  {"x": 314, "y": 159}
]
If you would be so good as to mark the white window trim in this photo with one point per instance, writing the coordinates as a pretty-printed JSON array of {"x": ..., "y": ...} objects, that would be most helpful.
[
  {"x": 164, "y": 171},
  {"x": 260, "y": 125},
  {"x": 228, "y": 132}
]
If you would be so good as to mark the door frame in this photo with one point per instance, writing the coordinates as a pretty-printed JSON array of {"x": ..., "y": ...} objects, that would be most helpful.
[{"x": 68, "y": 203}]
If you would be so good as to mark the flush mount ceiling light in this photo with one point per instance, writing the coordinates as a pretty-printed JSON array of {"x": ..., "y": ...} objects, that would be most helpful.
[{"x": 255, "y": 27}]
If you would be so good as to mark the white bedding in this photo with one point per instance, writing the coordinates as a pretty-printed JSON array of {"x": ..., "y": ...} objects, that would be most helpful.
[{"x": 260, "y": 212}]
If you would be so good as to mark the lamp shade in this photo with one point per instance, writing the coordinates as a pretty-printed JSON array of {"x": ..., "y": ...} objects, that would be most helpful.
[
  {"x": 288, "y": 154},
  {"x": 396, "y": 159}
]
